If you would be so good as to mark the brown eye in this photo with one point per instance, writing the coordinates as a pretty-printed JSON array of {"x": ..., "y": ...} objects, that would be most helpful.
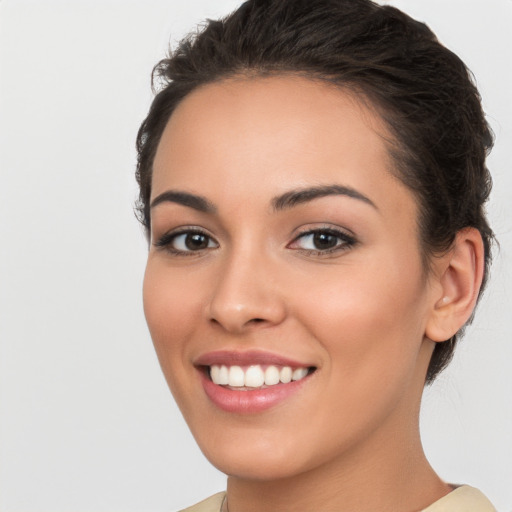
[
  {"x": 195, "y": 241},
  {"x": 186, "y": 242},
  {"x": 323, "y": 241},
  {"x": 191, "y": 241}
]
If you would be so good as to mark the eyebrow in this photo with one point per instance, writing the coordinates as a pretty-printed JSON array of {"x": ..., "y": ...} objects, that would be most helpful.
[
  {"x": 279, "y": 203},
  {"x": 304, "y": 195},
  {"x": 194, "y": 201}
]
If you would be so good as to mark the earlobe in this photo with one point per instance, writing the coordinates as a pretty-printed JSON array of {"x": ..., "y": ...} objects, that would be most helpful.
[{"x": 460, "y": 274}]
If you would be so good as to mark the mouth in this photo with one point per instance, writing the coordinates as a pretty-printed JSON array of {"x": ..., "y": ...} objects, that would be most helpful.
[
  {"x": 255, "y": 376},
  {"x": 251, "y": 382}
]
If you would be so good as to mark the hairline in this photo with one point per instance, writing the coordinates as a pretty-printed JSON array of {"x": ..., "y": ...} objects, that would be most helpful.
[{"x": 365, "y": 97}]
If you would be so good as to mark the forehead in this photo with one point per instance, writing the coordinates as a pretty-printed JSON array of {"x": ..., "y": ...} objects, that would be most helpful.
[{"x": 272, "y": 134}]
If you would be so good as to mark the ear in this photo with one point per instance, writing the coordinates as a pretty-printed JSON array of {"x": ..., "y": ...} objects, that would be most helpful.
[{"x": 458, "y": 276}]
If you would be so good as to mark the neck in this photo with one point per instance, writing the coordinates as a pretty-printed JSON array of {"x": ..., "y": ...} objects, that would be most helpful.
[{"x": 391, "y": 479}]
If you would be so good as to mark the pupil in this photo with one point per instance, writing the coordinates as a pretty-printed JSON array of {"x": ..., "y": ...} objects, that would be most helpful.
[
  {"x": 324, "y": 240},
  {"x": 196, "y": 241}
]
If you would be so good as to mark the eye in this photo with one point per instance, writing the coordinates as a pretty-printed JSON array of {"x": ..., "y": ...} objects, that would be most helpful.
[
  {"x": 322, "y": 241},
  {"x": 186, "y": 242}
]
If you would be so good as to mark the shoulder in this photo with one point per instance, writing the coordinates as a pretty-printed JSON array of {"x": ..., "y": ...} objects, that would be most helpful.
[
  {"x": 211, "y": 504},
  {"x": 463, "y": 499}
]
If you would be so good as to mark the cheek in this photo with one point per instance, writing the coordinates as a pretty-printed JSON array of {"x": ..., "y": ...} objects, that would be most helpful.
[
  {"x": 370, "y": 324},
  {"x": 172, "y": 305},
  {"x": 370, "y": 319}
]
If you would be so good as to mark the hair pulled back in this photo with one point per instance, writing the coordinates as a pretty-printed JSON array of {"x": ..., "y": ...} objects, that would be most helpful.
[{"x": 422, "y": 90}]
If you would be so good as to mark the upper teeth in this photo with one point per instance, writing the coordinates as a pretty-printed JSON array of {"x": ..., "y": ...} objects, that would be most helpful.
[{"x": 254, "y": 376}]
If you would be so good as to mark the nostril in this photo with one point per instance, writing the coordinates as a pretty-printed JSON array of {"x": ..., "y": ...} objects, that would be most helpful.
[
  {"x": 249, "y": 322},
  {"x": 253, "y": 322}
]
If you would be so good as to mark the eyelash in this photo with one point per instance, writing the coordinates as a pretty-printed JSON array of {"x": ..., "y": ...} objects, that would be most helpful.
[
  {"x": 165, "y": 241},
  {"x": 345, "y": 241}
]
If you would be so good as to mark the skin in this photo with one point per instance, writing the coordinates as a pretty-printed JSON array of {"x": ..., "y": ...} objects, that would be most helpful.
[{"x": 365, "y": 315}]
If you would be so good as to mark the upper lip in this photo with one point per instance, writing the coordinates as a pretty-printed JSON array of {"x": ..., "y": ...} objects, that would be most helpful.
[{"x": 245, "y": 358}]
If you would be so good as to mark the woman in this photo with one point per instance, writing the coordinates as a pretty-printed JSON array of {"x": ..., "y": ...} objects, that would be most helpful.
[{"x": 312, "y": 181}]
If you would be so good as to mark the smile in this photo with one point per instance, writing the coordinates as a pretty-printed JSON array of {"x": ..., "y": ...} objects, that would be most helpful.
[
  {"x": 250, "y": 382},
  {"x": 254, "y": 376}
]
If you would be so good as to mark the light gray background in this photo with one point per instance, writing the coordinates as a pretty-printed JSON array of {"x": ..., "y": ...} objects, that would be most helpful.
[{"x": 87, "y": 423}]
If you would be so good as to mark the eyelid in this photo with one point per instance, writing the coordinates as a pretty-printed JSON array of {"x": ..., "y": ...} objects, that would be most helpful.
[
  {"x": 348, "y": 240},
  {"x": 164, "y": 241}
]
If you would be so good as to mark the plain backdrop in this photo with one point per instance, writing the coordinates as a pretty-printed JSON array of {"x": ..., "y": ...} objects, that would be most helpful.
[{"x": 86, "y": 420}]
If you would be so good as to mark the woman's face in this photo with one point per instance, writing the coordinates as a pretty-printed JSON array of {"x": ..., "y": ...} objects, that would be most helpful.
[{"x": 282, "y": 247}]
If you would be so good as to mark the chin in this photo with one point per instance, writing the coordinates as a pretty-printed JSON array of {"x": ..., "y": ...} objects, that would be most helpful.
[
  {"x": 253, "y": 457},
  {"x": 263, "y": 468}
]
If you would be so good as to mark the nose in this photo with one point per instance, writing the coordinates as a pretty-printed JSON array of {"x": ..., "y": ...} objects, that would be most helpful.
[{"x": 246, "y": 294}]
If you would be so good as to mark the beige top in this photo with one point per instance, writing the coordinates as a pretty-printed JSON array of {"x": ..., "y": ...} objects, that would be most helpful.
[{"x": 462, "y": 499}]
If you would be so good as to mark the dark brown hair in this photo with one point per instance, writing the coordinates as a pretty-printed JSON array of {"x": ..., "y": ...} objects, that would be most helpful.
[{"x": 422, "y": 90}]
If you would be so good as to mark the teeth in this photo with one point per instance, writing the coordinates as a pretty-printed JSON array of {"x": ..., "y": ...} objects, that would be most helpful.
[
  {"x": 223, "y": 375},
  {"x": 214, "y": 373},
  {"x": 271, "y": 376},
  {"x": 285, "y": 375},
  {"x": 236, "y": 376},
  {"x": 299, "y": 373},
  {"x": 254, "y": 376}
]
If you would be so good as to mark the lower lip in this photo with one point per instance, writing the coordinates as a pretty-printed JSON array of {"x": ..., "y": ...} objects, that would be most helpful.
[{"x": 252, "y": 401}]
